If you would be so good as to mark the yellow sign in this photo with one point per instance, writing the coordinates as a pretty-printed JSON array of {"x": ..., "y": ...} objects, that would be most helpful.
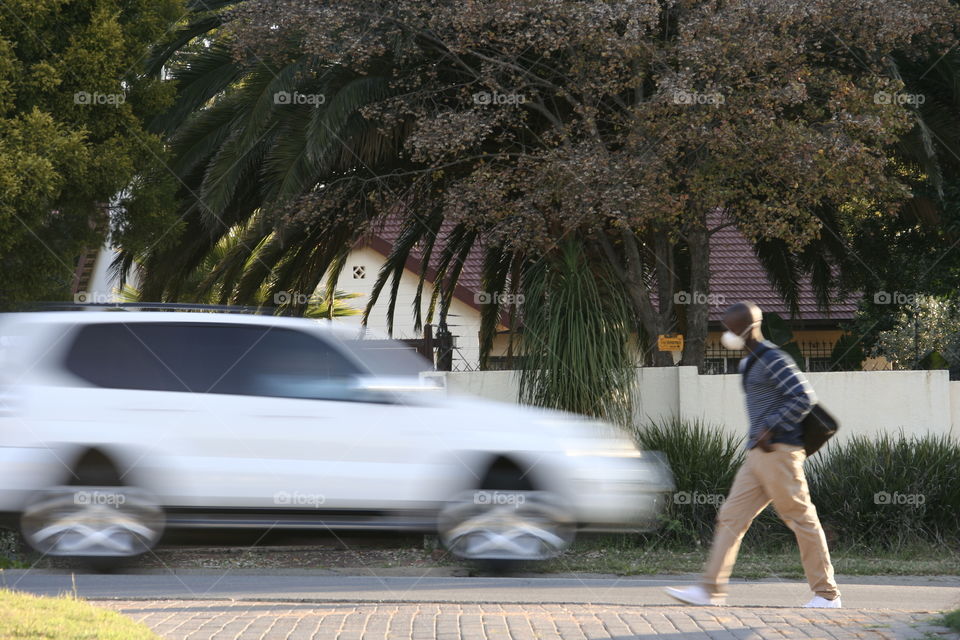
[{"x": 670, "y": 343}]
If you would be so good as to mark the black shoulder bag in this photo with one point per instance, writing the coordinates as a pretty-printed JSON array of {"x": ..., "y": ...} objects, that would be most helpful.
[{"x": 819, "y": 425}]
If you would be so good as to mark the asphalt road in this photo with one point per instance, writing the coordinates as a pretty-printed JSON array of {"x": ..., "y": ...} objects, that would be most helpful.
[{"x": 905, "y": 594}]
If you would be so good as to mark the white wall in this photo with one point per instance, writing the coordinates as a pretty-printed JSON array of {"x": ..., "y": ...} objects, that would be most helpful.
[
  {"x": 463, "y": 320},
  {"x": 104, "y": 287},
  {"x": 503, "y": 386},
  {"x": 865, "y": 402},
  {"x": 657, "y": 396},
  {"x": 955, "y": 409}
]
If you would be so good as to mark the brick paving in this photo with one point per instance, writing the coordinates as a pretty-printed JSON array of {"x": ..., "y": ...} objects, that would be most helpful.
[{"x": 251, "y": 620}]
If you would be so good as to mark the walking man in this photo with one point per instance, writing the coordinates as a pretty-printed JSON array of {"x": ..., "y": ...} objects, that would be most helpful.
[{"x": 778, "y": 398}]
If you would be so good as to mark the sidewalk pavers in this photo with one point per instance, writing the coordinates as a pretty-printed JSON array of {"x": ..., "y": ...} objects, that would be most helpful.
[{"x": 256, "y": 620}]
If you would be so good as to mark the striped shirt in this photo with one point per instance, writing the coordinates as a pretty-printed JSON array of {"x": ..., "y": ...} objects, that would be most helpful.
[{"x": 778, "y": 396}]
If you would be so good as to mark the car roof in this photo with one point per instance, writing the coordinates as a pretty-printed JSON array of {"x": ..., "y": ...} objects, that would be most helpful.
[{"x": 183, "y": 317}]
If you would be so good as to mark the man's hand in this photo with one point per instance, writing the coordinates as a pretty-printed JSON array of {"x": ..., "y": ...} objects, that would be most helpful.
[{"x": 763, "y": 441}]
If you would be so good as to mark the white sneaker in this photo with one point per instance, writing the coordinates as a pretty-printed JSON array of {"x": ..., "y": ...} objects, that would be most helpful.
[
  {"x": 819, "y": 602},
  {"x": 694, "y": 595}
]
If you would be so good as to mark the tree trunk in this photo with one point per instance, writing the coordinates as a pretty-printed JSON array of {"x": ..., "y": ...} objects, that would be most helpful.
[
  {"x": 663, "y": 251},
  {"x": 630, "y": 270},
  {"x": 654, "y": 322},
  {"x": 695, "y": 340}
]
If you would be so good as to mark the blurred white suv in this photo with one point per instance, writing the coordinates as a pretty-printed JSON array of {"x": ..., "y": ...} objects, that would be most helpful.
[{"x": 115, "y": 426}]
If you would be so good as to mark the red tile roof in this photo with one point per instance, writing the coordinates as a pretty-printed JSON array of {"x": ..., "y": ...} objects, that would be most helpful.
[
  {"x": 386, "y": 233},
  {"x": 735, "y": 273}
]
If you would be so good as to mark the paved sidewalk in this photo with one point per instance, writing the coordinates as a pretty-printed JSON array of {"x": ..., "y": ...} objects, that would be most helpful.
[
  {"x": 868, "y": 592},
  {"x": 236, "y": 620}
]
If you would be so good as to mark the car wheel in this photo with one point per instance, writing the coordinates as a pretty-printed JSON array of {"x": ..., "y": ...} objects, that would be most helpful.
[
  {"x": 502, "y": 528},
  {"x": 100, "y": 525}
]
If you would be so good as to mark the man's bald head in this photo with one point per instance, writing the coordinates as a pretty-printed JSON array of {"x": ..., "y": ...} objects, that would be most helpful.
[{"x": 740, "y": 316}]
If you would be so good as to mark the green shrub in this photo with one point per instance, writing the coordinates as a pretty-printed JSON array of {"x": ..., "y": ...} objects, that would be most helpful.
[
  {"x": 9, "y": 549},
  {"x": 704, "y": 460},
  {"x": 889, "y": 491}
]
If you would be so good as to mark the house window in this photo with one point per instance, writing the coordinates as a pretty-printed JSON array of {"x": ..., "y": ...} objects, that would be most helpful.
[{"x": 359, "y": 272}]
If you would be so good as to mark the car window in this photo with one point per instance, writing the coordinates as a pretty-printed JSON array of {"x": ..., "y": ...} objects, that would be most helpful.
[
  {"x": 116, "y": 356},
  {"x": 293, "y": 364},
  {"x": 208, "y": 358},
  {"x": 388, "y": 358}
]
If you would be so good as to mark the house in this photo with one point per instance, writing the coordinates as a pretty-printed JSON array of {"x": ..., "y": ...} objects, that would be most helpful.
[
  {"x": 463, "y": 319},
  {"x": 736, "y": 274}
]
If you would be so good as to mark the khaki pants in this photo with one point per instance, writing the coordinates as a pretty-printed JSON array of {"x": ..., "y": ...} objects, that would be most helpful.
[{"x": 775, "y": 477}]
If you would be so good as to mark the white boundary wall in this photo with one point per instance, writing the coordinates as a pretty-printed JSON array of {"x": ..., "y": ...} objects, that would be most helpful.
[{"x": 865, "y": 402}]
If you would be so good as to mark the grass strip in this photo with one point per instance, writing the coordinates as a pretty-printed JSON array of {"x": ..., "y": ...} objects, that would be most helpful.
[{"x": 65, "y": 617}]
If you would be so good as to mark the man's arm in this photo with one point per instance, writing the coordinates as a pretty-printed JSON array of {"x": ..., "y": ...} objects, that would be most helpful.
[{"x": 799, "y": 397}]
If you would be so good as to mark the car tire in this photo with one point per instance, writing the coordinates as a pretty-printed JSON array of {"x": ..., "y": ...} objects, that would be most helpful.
[
  {"x": 101, "y": 527},
  {"x": 505, "y": 524}
]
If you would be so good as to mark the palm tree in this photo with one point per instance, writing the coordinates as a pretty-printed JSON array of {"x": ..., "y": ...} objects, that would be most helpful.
[
  {"x": 206, "y": 286},
  {"x": 247, "y": 163}
]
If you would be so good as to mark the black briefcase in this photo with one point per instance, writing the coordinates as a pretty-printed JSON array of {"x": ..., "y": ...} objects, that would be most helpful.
[{"x": 818, "y": 427}]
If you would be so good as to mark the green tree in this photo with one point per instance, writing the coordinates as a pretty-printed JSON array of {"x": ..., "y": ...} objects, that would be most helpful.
[
  {"x": 73, "y": 96},
  {"x": 512, "y": 125},
  {"x": 895, "y": 259},
  {"x": 631, "y": 123},
  {"x": 573, "y": 329},
  {"x": 926, "y": 326}
]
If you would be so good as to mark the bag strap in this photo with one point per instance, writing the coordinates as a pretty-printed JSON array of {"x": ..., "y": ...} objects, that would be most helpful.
[{"x": 750, "y": 361}]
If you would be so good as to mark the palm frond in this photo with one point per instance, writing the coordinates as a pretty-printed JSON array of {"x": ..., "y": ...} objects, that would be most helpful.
[
  {"x": 392, "y": 269},
  {"x": 497, "y": 267},
  {"x": 576, "y": 337},
  {"x": 203, "y": 16},
  {"x": 202, "y": 77}
]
